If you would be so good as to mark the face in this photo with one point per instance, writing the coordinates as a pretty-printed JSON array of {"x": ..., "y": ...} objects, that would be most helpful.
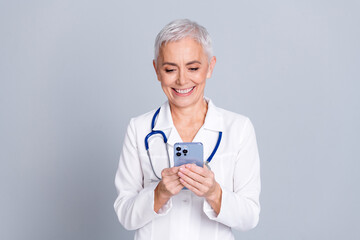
[{"x": 182, "y": 68}]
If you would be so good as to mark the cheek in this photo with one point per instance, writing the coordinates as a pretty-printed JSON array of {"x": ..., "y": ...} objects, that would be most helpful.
[
  {"x": 200, "y": 77},
  {"x": 165, "y": 84},
  {"x": 166, "y": 79}
]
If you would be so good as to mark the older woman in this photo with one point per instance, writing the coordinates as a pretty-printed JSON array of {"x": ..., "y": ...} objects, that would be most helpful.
[{"x": 151, "y": 194}]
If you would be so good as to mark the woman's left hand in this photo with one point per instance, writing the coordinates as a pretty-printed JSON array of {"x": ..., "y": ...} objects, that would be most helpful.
[{"x": 201, "y": 181}]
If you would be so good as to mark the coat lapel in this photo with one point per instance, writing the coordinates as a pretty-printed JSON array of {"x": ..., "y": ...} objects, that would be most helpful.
[{"x": 208, "y": 134}]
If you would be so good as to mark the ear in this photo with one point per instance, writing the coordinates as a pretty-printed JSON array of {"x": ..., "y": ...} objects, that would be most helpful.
[
  {"x": 211, "y": 66},
  {"x": 156, "y": 71}
]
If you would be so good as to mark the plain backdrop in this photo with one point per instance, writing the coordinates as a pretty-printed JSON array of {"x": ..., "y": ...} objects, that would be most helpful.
[{"x": 73, "y": 72}]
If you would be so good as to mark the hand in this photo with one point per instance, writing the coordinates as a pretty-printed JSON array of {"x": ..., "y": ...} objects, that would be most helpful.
[
  {"x": 167, "y": 187},
  {"x": 201, "y": 181}
]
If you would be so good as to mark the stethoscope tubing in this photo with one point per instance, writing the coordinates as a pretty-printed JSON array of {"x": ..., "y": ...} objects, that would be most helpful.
[{"x": 154, "y": 132}]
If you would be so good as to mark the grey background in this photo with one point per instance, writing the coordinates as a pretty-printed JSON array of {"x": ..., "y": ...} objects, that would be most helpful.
[{"x": 73, "y": 73}]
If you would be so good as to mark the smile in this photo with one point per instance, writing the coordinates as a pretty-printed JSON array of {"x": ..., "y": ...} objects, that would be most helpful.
[{"x": 184, "y": 91}]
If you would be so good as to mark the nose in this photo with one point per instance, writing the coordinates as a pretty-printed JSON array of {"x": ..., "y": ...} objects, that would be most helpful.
[{"x": 182, "y": 78}]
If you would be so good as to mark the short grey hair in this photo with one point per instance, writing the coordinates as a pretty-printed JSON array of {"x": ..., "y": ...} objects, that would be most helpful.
[{"x": 182, "y": 28}]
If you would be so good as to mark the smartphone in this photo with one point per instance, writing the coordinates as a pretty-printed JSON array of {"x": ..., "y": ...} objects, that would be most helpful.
[{"x": 188, "y": 152}]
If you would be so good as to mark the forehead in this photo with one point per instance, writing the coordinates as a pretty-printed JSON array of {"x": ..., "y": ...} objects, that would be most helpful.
[{"x": 186, "y": 49}]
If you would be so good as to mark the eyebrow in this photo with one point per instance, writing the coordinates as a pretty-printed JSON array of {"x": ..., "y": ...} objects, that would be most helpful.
[{"x": 174, "y": 64}]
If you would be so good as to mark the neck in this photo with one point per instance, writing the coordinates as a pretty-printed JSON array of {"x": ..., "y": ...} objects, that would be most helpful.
[{"x": 195, "y": 113}]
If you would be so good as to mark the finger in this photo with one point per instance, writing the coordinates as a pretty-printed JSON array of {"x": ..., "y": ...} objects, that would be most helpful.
[
  {"x": 199, "y": 170},
  {"x": 175, "y": 187},
  {"x": 191, "y": 181},
  {"x": 170, "y": 171},
  {"x": 179, "y": 186},
  {"x": 167, "y": 184},
  {"x": 191, "y": 187},
  {"x": 191, "y": 174},
  {"x": 170, "y": 177}
]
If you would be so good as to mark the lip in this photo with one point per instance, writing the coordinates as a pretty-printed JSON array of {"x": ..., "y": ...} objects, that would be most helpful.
[{"x": 184, "y": 94}]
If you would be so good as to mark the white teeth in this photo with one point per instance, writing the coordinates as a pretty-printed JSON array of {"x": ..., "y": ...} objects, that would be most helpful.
[{"x": 183, "y": 91}]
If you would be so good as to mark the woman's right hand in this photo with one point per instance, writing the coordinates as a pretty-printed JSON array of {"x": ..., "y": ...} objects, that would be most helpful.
[{"x": 169, "y": 186}]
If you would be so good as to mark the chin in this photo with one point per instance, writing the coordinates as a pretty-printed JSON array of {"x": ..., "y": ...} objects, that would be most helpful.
[{"x": 185, "y": 101}]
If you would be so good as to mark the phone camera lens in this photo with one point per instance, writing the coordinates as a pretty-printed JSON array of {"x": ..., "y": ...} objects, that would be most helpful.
[
  {"x": 178, "y": 148},
  {"x": 185, "y": 151},
  {"x": 178, "y": 154}
]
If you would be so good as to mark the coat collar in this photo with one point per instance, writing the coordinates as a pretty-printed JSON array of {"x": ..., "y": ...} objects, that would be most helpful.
[
  {"x": 213, "y": 122},
  {"x": 213, "y": 119}
]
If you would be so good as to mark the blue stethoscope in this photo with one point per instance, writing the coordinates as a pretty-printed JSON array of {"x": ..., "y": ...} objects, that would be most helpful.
[{"x": 165, "y": 141}]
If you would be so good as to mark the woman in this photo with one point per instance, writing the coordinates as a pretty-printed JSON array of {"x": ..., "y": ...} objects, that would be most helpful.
[{"x": 219, "y": 197}]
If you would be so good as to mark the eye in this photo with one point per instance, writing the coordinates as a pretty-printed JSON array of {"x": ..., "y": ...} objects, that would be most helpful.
[
  {"x": 194, "y": 69},
  {"x": 169, "y": 70}
]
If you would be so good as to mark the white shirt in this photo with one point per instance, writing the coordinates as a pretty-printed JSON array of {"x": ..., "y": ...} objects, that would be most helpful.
[{"x": 186, "y": 216}]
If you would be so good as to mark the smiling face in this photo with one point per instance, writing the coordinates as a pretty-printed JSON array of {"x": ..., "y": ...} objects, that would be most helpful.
[{"x": 182, "y": 68}]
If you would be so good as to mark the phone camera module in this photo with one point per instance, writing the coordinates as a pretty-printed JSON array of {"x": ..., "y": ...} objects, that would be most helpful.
[
  {"x": 185, "y": 151},
  {"x": 178, "y": 148},
  {"x": 178, "y": 154}
]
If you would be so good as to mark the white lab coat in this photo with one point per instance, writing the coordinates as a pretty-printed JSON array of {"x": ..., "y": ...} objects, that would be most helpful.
[{"x": 186, "y": 216}]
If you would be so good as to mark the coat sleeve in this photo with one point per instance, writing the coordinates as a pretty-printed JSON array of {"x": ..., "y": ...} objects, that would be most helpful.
[
  {"x": 134, "y": 205},
  {"x": 240, "y": 205}
]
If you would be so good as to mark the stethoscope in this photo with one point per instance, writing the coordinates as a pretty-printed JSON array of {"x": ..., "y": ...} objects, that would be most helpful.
[{"x": 165, "y": 141}]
